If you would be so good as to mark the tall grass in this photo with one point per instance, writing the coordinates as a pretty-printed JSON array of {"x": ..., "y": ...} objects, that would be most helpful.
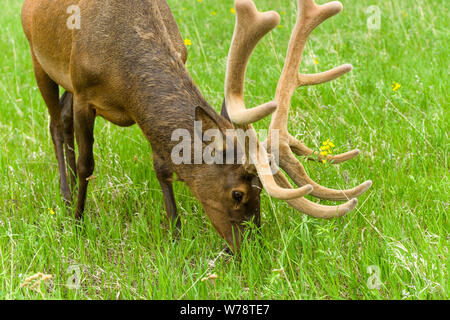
[{"x": 124, "y": 249}]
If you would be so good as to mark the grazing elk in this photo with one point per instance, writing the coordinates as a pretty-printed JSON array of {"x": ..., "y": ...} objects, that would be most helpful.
[{"x": 126, "y": 64}]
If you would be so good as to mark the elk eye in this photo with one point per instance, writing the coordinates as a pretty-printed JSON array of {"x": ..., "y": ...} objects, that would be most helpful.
[{"x": 238, "y": 196}]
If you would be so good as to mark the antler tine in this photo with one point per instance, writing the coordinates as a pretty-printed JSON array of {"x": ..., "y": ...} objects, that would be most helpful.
[
  {"x": 301, "y": 150},
  {"x": 309, "y": 17},
  {"x": 313, "y": 209},
  {"x": 251, "y": 27},
  {"x": 295, "y": 170}
]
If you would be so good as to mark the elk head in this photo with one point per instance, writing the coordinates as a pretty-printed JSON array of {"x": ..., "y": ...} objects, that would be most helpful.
[{"x": 228, "y": 190}]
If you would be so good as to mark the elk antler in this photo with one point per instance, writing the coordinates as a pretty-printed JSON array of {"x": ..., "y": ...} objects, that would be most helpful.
[
  {"x": 251, "y": 26},
  {"x": 310, "y": 15}
]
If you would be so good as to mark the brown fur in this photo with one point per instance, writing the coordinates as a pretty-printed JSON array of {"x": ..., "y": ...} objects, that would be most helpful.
[{"x": 126, "y": 64}]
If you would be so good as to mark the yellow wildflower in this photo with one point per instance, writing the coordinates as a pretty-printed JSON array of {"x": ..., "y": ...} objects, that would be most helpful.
[
  {"x": 395, "y": 86},
  {"x": 213, "y": 13},
  {"x": 51, "y": 211},
  {"x": 187, "y": 42},
  {"x": 233, "y": 11},
  {"x": 326, "y": 148},
  {"x": 316, "y": 61}
]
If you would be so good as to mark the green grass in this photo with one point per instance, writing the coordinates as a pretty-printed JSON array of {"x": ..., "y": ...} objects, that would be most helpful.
[{"x": 124, "y": 249}]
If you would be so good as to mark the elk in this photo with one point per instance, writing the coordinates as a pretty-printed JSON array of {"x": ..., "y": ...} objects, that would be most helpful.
[{"x": 126, "y": 63}]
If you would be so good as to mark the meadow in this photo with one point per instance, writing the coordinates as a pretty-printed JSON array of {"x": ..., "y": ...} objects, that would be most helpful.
[{"x": 393, "y": 106}]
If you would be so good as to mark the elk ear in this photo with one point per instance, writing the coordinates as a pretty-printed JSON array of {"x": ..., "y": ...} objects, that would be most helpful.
[
  {"x": 224, "y": 112},
  {"x": 208, "y": 120},
  {"x": 210, "y": 128}
]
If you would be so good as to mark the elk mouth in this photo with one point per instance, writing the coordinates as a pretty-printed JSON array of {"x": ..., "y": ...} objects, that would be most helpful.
[
  {"x": 235, "y": 237},
  {"x": 232, "y": 231}
]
